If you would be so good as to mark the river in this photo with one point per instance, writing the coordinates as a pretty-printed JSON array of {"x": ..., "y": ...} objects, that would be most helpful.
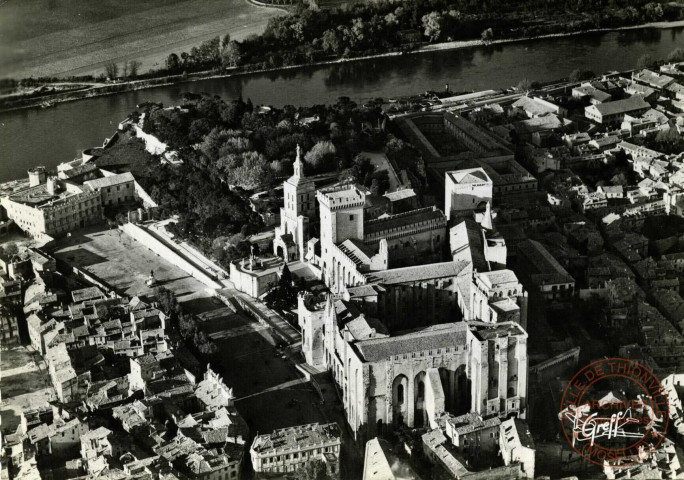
[{"x": 51, "y": 136}]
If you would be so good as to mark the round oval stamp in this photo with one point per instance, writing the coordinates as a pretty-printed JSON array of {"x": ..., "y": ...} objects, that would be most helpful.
[{"x": 614, "y": 412}]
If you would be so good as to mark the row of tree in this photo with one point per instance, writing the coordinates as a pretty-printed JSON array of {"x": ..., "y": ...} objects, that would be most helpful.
[
  {"x": 185, "y": 323},
  {"x": 309, "y": 34},
  {"x": 129, "y": 70}
]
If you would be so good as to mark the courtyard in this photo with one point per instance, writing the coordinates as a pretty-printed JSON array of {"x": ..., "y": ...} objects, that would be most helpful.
[{"x": 25, "y": 384}]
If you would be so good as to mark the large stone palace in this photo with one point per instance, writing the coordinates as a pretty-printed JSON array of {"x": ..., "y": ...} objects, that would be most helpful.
[{"x": 422, "y": 320}]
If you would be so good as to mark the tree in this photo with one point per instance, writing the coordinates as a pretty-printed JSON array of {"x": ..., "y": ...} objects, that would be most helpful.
[
  {"x": 167, "y": 301},
  {"x": 321, "y": 156},
  {"x": 133, "y": 67},
  {"x": 432, "y": 23},
  {"x": 111, "y": 70},
  {"x": 11, "y": 249},
  {"x": 225, "y": 40},
  {"x": 578, "y": 75},
  {"x": 188, "y": 326},
  {"x": 645, "y": 61},
  {"x": 283, "y": 295},
  {"x": 654, "y": 11},
  {"x": 331, "y": 42},
  {"x": 676, "y": 55},
  {"x": 204, "y": 344},
  {"x": 669, "y": 141},
  {"x": 314, "y": 469},
  {"x": 231, "y": 56},
  {"x": 361, "y": 169},
  {"x": 524, "y": 85},
  {"x": 487, "y": 35}
]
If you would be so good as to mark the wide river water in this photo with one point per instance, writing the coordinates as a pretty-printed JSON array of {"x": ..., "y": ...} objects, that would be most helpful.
[{"x": 54, "y": 135}]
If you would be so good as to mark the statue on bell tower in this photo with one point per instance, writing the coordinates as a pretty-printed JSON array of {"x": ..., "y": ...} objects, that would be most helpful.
[{"x": 298, "y": 164}]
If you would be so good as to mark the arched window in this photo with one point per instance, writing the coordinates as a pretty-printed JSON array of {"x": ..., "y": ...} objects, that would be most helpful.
[
  {"x": 400, "y": 393},
  {"x": 421, "y": 390}
]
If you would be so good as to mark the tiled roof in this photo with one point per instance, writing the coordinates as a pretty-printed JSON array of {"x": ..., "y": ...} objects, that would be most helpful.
[
  {"x": 110, "y": 181},
  {"x": 87, "y": 293},
  {"x": 98, "y": 433},
  {"x": 364, "y": 328},
  {"x": 471, "y": 422},
  {"x": 297, "y": 438},
  {"x": 498, "y": 277},
  {"x": 357, "y": 251},
  {"x": 413, "y": 218},
  {"x": 467, "y": 244},
  {"x": 621, "y": 106},
  {"x": 400, "y": 194},
  {"x": 419, "y": 273},
  {"x": 534, "y": 106},
  {"x": 435, "y": 337},
  {"x": 653, "y": 79}
]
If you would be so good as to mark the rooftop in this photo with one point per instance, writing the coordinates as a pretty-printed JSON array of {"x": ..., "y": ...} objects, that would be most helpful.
[
  {"x": 497, "y": 277},
  {"x": 653, "y": 79},
  {"x": 535, "y": 106},
  {"x": 110, "y": 181},
  {"x": 418, "y": 273},
  {"x": 400, "y": 194},
  {"x": 414, "y": 218},
  {"x": 471, "y": 422},
  {"x": 301, "y": 437},
  {"x": 88, "y": 293},
  {"x": 621, "y": 106},
  {"x": 469, "y": 175},
  {"x": 543, "y": 262},
  {"x": 450, "y": 335},
  {"x": 39, "y": 196}
]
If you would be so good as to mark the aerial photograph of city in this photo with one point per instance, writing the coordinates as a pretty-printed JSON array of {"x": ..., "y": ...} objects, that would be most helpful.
[{"x": 341, "y": 239}]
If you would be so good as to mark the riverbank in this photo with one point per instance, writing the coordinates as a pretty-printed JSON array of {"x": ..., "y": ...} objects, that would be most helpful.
[{"x": 123, "y": 87}]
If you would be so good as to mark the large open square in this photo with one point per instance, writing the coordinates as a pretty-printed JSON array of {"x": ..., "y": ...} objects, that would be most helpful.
[{"x": 124, "y": 264}]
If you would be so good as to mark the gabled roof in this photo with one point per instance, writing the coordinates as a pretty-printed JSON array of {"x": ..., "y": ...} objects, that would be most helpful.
[
  {"x": 419, "y": 273},
  {"x": 621, "y": 106},
  {"x": 110, "y": 181},
  {"x": 448, "y": 335}
]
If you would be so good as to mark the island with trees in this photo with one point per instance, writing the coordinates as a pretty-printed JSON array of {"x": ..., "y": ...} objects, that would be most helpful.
[{"x": 309, "y": 34}]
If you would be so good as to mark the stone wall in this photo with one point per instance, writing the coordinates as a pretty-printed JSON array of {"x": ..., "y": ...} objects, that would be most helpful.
[{"x": 141, "y": 235}]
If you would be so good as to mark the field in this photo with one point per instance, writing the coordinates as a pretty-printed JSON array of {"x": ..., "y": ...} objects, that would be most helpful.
[{"x": 78, "y": 37}]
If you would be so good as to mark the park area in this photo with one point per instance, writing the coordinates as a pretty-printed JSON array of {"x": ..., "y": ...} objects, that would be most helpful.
[{"x": 65, "y": 38}]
